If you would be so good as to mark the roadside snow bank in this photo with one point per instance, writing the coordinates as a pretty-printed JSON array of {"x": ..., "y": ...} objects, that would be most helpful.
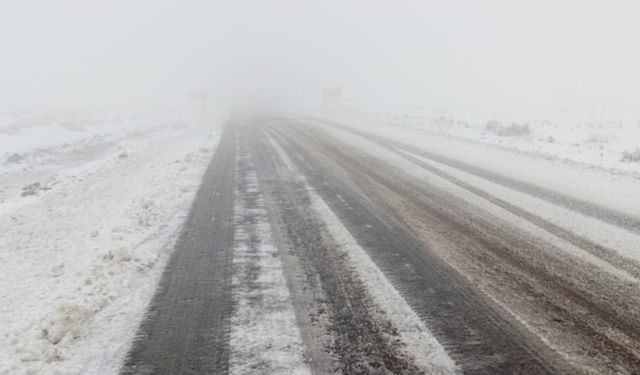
[
  {"x": 21, "y": 133},
  {"x": 39, "y": 151},
  {"x": 591, "y": 140},
  {"x": 30, "y": 136},
  {"x": 80, "y": 264}
]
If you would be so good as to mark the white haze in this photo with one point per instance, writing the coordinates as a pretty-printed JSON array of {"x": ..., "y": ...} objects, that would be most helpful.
[{"x": 526, "y": 56}]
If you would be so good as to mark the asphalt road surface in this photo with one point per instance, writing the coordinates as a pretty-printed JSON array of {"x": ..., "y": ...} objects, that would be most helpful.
[{"x": 498, "y": 298}]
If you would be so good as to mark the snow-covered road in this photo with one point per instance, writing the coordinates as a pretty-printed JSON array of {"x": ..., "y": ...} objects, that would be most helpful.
[
  {"x": 552, "y": 244},
  {"x": 324, "y": 246},
  {"x": 387, "y": 252}
]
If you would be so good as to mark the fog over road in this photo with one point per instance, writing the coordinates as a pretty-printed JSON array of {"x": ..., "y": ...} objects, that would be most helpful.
[{"x": 316, "y": 247}]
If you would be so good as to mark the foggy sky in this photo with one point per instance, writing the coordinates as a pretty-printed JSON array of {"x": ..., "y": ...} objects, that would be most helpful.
[{"x": 526, "y": 55}]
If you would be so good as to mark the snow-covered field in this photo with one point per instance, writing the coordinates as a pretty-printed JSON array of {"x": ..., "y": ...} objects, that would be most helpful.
[
  {"x": 39, "y": 151},
  {"x": 595, "y": 140},
  {"x": 90, "y": 206}
]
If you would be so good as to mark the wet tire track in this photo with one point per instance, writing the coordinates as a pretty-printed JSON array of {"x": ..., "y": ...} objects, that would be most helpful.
[
  {"x": 362, "y": 340},
  {"x": 623, "y": 220},
  {"x": 186, "y": 330},
  {"x": 605, "y": 325},
  {"x": 608, "y": 254},
  {"x": 479, "y": 337}
]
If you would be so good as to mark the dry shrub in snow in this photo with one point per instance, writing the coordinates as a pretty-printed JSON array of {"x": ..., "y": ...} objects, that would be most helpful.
[
  {"x": 73, "y": 125},
  {"x": 513, "y": 130},
  {"x": 631, "y": 156},
  {"x": 493, "y": 126},
  {"x": 597, "y": 138}
]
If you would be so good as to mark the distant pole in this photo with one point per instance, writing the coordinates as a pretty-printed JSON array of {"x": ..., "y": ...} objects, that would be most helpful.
[
  {"x": 331, "y": 97},
  {"x": 198, "y": 101}
]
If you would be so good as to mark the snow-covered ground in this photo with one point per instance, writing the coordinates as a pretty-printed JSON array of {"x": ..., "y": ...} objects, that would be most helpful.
[
  {"x": 90, "y": 206},
  {"x": 609, "y": 142},
  {"x": 39, "y": 151}
]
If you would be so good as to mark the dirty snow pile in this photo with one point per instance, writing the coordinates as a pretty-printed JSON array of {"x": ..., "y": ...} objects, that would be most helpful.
[
  {"x": 81, "y": 257},
  {"x": 602, "y": 140}
]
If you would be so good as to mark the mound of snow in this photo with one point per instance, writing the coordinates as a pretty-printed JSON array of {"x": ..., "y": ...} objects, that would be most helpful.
[{"x": 80, "y": 263}]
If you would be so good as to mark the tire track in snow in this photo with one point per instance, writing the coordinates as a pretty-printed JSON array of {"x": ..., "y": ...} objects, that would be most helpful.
[
  {"x": 571, "y": 304},
  {"x": 622, "y": 254},
  {"x": 477, "y": 334},
  {"x": 264, "y": 337},
  {"x": 361, "y": 340},
  {"x": 603, "y": 295},
  {"x": 620, "y": 219},
  {"x": 428, "y": 353}
]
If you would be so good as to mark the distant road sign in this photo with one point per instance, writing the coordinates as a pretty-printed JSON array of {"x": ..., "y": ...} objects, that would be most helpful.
[
  {"x": 331, "y": 96},
  {"x": 198, "y": 96},
  {"x": 198, "y": 101}
]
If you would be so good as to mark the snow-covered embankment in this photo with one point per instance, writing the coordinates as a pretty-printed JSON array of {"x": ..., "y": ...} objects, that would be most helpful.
[{"x": 81, "y": 262}]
